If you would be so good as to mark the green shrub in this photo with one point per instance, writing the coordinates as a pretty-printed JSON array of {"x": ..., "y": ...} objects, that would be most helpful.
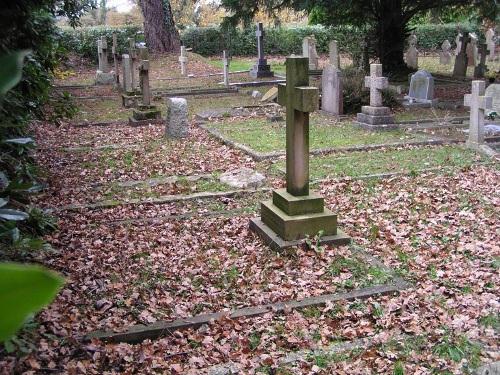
[
  {"x": 431, "y": 36},
  {"x": 83, "y": 41}
]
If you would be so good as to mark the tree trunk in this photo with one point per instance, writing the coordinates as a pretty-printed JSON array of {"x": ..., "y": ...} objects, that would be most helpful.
[
  {"x": 391, "y": 34},
  {"x": 159, "y": 27}
]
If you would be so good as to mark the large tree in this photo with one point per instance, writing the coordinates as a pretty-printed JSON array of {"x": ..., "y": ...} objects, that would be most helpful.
[
  {"x": 159, "y": 27},
  {"x": 386, "y": 20}
]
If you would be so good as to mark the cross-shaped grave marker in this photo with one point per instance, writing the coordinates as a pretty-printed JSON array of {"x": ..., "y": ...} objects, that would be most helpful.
[
  {"x": 478, "y": 103},
  {"x": 375, "y": 82},
  {"x": 114, "y": 52},
  {"x": 183, "y": 60},
  {"x": 295, "y": 212},
  {"x": 261, "y": 69},
  {"x": 225, "y": 64}
]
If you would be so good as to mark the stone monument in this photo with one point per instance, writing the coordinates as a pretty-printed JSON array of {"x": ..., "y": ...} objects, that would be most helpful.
[
  {"x": 458, "y": 42},
  {"x": 309, "y": 51},
  {"x": 132, "y": 52},
  {"x": 421, "y": 92},
  {"x": 478, "y": 103},
  {"x": 472, "y": 50},
  {"x": 412, "y": 52},
  {"x": 145, "y": 112},
  {"x": 114, "y": 52},
  {"x": 376, "y": 116},
  {"x": 176, "y": 122},
  {"x": 445, "y": 55},
  {"x": 183, "y": 59},
  {"x": 103, "y": 75},
  {"x": 333, "y": 54},
  {"x": 129, "y": 97},
  {"x": 295, "y": 212},
  {"x": 331, "y": 90},
  {"x": 491, "y": 43},
  {"x": 261, "y": 68},
  {"x": 460, "y": 67},
  {"x": 493, "y": 90},
  {"x": 225, "y": 65}
]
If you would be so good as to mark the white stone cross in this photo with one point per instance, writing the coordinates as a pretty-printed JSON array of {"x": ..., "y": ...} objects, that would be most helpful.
[
  {"x": 183, "y": 60},
  {"x": 376, "y": 82},
  {"x": 225, "y": 64},
  {"x": 478, "y": 103}
]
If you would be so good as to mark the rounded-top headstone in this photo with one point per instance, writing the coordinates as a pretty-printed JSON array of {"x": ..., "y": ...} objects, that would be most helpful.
[{"x": 177, "y": 125}]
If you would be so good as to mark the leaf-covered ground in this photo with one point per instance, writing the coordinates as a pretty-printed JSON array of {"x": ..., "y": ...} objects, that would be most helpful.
[{"x": 143, "y": 262}]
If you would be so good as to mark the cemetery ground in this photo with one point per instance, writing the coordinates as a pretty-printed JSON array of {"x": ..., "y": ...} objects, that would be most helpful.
[{"x": 147, "y": 233}]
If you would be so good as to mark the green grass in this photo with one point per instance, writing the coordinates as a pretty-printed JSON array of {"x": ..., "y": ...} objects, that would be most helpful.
[
  {"x": 202, "y": 103},
  {"x": 404, "y": 114},
  {"x": 263, "y": 136},
  {"x": 242, "y": 63},
  {"x": 407, "y": 160},
  {"x": 94, "y": 110}
]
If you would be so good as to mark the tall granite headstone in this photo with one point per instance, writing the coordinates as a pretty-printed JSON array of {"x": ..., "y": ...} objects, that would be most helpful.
[{"x": 261, "y": 68}]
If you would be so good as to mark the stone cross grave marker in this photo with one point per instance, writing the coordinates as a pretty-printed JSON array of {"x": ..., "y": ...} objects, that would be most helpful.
[
  {"x": 445, "y": 55},
  {"x": 225, "y": 65},
  {"x": 421, "y": 89},
  {"x": 183, "y": 59},
  {"x": 114, "y": 52},
  {"x": 309, "y": 51},
  {"x": 472, "y": 50},
  {"x": 103, "y": 75},
  {"x": 295, "y": 212},
  {"x": 331, "y": 87},
  {"x": 261, "y": 68},
  {"x": 412, "y": 52},
  {"x": 376, "y": 116},
  {"x": 334, "y": 54},
  {"x": 132, "y": 52},
  {"x": 460, "y": 67},
  {"x": 458, "y": 43},
  {"x": 143, "y": 68},
  {"x": 478, "y": 103},
  {"x": 491, "y": 43}
]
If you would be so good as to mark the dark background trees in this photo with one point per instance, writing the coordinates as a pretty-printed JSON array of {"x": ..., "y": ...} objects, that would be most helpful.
[
  {"x": 386, "y": 22},
  {"x": 159, "y": 27}
]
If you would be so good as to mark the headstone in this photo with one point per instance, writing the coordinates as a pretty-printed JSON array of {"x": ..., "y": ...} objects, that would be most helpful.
[
  {"x": 309, "y": 51},
  {"x": 445, "y": 55},
  {"x": 183, "y": 59},
  {"x": 225, "y": 65},
  {"x": 270, "y": 95},
  {"x": 376, "y": 116},
  {"x": 261, "y": 68},
  {"x": 127, "y": 73},
  {"x": 478, "y": 103},
  {"x": 412, "y": 52},
  {"x": 421, "y": 90},
  {"x": 331, "y": 87},
  {"x": 132, "y": 52},
  {"x": 103, "y": 75},
  {"x": 458, "y": 43},
  {"x": 177, "y": 125},
  {"x": 460, "y": 67},
  {"x": 114, "y": 51},
  {"x": 493, "y": 91},
  {"x": 491, "y": 43},
  {"x": 480, "y": 69},
  {"x": 243, "y": 178},
  {"x": 472, "y": 51},
  {"x": 295, "y": 212},
  {"x": 333, "y": 54}
]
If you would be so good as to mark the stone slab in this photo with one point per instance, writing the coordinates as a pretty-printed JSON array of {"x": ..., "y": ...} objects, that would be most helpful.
[
  {"x": 295, "y": 227},
  {"x": 146, "y": 113},
  {"x": 375, "y": 120},
  {"x": 130, "y": 101},
  {"x": 375, "y": 111},
  {"x": 271, "y": 239},
  {"x": 243, "y": 178},
  {"x": 293, "y": 205}
]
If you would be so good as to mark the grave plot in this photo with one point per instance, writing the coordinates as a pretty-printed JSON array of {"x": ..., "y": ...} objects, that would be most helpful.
[
  {"x": 100, "y": 110},
  {"x": 388, "y": 162},
  {"x": 262, "y": 136}
]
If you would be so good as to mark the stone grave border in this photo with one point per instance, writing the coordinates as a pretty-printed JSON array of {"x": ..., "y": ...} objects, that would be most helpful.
[
  {"x": 140, "y": 332},
  {"x": 189, "y": 76},
  {"x": 261, "y": 156},
  {"x": 194, "y": 91}
]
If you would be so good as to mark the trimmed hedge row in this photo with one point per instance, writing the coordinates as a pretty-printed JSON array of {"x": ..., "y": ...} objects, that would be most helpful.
[{"x": 211, "y": 41}]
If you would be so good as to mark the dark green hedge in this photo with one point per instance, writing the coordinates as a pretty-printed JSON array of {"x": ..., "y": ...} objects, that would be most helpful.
[
  {"x": 83, "y": 41},
  {"x": 211, "y": 41}
]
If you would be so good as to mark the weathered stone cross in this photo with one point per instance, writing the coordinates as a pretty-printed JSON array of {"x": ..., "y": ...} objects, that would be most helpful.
[
  {"x": 225, "y": 64},
  {"x": 295, "y": 212},
  {"x": 478, "y": 103},
  {"x": 299, "y": 99},
  {"x": 183, "y": 60},
  {"x": 144, "y": 76},
  {"x": 376, "y": 82},
  {"x": 114, "y": 52},
  {"x": 102, "y": 51}
]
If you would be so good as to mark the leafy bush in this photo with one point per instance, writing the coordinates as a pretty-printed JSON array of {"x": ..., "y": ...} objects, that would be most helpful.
[
  {"x": 83, "y": 41},
  {"x": 431, "y": 36}
]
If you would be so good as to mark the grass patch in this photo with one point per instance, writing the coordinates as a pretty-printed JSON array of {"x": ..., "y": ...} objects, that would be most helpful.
[
  {"x": 406, "y": 160},
  {"x": 95, "y": 110},
  {"x": 427, "y": 113},
  {"x": 197, "y": 104},
  {"x": 263, "y": 136}
]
